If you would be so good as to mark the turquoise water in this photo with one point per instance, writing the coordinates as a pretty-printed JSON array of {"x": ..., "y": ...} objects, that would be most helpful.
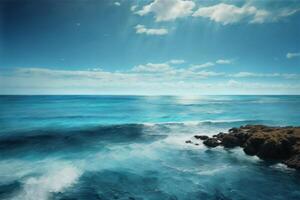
[{"x": 133, "y": 147}]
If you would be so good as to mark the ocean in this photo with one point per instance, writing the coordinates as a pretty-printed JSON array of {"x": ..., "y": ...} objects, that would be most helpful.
[{"x": 133, "y": 147}]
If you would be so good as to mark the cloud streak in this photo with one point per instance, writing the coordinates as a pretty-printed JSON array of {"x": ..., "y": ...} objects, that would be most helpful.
[
  {"x": 154, "y": 78},
  {"x": 141, "y": 29},
  {"x": 292, "y": 55}
]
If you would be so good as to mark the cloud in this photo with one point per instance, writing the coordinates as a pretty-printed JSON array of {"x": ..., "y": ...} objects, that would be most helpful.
[
  {"x": 176, "y": 61},
  {"x": 167, "y": 10},
  {"x": 264, "y": 75},
  {"x": 141, "y": 29},
  {"x": 117, "y": 3},
  {"x": 204, "y": 65},
  {"x": 133, "y": 8},
  {"x": 224, "y": 61},
  {"x": 229, "y": 14},
  {"x": 182, "y": 82},
  {"x": 226, "y": 13},
  {"x": 149, "y": 78},
  {"x": 158, "y": 67},
  {"x": 251, "y": 74},
  {"x": 292, "y": 55},
  {"x": 211, "y": 64},
  {"x": 152, "y": 68}
]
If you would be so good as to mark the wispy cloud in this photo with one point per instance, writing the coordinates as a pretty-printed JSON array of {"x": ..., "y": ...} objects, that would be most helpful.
[
  {"x": 141, "y": 29},
  {"x": 229, "y": 13},
  {"x": 224, "y": 61},
  {"x": 292, "y": 55},
  {"x": 166, "y": 10},
  {"x": 152, "y": 68},
  {"x": 175, "y": 62},
  {"x": 211, "y": 64},
  {"x": 264, "y": 75},
  {"x": 201, "y": 66},
  {"x": 133, "y": 8},
  {"x": 117, "y": 3},
  {"x": 160, "y": 78}
]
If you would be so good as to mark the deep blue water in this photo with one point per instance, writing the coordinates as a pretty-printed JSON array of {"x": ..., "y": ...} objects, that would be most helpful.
[{"x": 133, "y": 147}]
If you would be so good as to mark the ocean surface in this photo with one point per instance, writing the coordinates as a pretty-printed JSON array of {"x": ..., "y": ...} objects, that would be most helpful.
[{"x": 133, "y": 147}]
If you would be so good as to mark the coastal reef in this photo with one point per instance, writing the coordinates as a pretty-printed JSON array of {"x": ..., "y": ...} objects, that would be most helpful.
[{"x": 279, "y": 144}]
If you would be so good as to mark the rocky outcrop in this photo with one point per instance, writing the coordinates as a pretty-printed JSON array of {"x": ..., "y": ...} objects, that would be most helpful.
[
  {"x": 212, "y": 142},
  {"x": 280, "y": 144},
  {"x": 201, "y": 137}
]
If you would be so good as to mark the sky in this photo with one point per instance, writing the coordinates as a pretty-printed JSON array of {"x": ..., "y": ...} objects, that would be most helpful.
[{"x": 150, "y": 47}]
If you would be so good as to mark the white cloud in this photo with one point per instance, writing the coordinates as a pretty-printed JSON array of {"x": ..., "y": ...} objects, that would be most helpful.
[
  {"x": 141, "y": 29},
  {"x": 117, "y": 3},
  {"x": 150, "y": 78},
  {"x": 205, "y": 65},
  {"x": 224, "y": 61},
  {"x": 264, "y": 75},
  {"x": 206, "y": 74},
  {"x": 133, "y": 8},
  {"x": 251, "y": 74},
  {"x": 225, "y": 13},
  {"x": 292, "y": 55},
  {"x": 211, "y": 64},
  {"x": 152, "y": 68},
  {"x": 229, "y": 14},
  {"x": 166, "y": 10},
  {"x": 288, "y": 12},
  {"x": 176, "y": 61}
]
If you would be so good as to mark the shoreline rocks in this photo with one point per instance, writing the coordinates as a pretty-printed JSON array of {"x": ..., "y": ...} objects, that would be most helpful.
[{"x": 281, "y": 144}]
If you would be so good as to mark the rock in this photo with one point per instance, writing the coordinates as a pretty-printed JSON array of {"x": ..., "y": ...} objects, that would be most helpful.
[
  {"x": 201, "y": 137},
  {"x": 275, "y": 149},
  {"x": 230, "y": 141},
  {"x": 233, "y": 130},
  {"x": 220, "y": 135},
  {"x": 188, "y": 142},
  {"x": 212, "y": 142},
  {"x": 281, "y": 144},
  {"x": 242, "y": 136},
  {"x": 252, "y": 145},
  {"x": 295, "y": 149},
  {"x": 293, "y": 162}
]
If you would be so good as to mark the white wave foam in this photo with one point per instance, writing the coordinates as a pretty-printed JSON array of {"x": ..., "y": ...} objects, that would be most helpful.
[
  {"x": 282, "y": 167},
  {"x": 40, "y": 188},
  {"x": 214, "y": 171},
  {"x": 196, "y": 122}
]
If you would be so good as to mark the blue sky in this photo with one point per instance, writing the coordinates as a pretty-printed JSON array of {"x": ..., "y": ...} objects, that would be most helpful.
[{"x": 170, "y": 47}]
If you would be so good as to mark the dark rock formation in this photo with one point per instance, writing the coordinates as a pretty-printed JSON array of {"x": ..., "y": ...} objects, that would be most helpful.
[
  {"x": 201, "y": 137},
  {"x": 293, "y": 162},
  {"x": 212, "y": 142},
  {"x": 230, "y": 141},
  {"x": 280, "y": 144}
]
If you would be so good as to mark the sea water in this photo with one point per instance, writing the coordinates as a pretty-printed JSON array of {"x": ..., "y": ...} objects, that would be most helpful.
[{"x": 133, "y": 147}]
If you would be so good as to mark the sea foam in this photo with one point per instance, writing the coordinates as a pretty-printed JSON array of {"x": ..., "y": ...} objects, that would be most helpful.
[{"x": 54, "y": 181}]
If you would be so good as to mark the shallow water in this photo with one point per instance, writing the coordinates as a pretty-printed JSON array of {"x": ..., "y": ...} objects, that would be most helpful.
[{"x": 133, "y": 147}]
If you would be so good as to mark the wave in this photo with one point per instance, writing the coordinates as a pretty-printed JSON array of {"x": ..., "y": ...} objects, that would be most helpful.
[
  {"x": 52, "y": 140},
  {"x": 42, "y": 187},
  {"x": 204, "y": 122}
]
